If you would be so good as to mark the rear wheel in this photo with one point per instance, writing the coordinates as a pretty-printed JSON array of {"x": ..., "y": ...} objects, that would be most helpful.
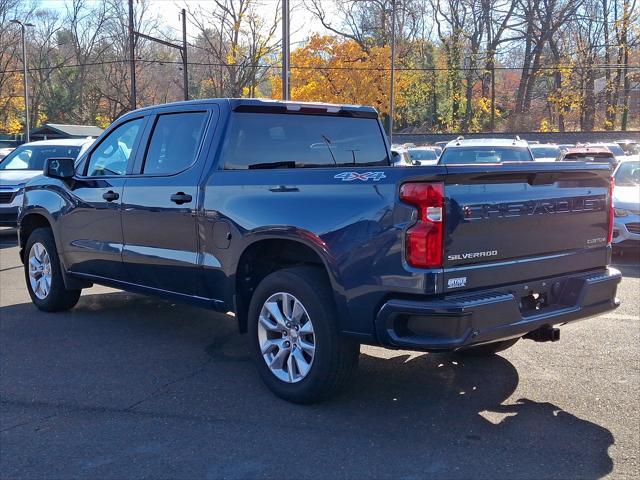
[
  {"x": 294, "y": 336},
  {"x": 43, "y": 274},
  {"x": 488, "y": 348}
]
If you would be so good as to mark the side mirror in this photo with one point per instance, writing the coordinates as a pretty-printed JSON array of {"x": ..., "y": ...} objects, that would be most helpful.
[
  {"x": 59, "y": 168},
  {"x": 415, "y": 163}
]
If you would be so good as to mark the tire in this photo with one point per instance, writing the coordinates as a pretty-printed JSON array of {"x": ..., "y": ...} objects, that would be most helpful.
[
  {"x": 303, "y": 377},
  {"x": 46, "y": 261},
  {"x": 488, "y": 348}
]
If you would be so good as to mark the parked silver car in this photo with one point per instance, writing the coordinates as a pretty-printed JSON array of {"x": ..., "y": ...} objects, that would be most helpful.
[
  {"x": 24, "y": 163},
  {"x": 400, "y": 156},
  {"x": 626, "y": 203},
  {"x": 424, "y": 155}
]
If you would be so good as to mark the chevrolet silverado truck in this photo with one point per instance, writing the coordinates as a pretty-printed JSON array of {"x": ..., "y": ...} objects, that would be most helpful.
[{"x": 291, "y": 216}]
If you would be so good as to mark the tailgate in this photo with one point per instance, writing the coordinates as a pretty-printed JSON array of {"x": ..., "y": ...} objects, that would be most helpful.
[{"x": 511, "y": 222}]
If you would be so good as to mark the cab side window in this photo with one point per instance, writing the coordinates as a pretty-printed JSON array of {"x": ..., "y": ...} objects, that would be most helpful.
[
  {"x": 174, "y": 143},
  {"x": 113, "y": 153}
]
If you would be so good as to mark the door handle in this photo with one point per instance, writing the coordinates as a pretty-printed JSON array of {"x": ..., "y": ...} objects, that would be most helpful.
[
  {"x": 110, "y": 196},
  {"x": 181, "y": 198}
]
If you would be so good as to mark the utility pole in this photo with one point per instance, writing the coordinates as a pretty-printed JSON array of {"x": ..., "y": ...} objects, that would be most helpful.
[
  {"x": 393, "y": 62},
  {"x": 286, "y": 90},
  {"x": 133, "y": 35},
  {"x": 493, "y": 93},
  {"x": 132, "y": 57},
  {"x": 493, "y": 71},
  {"x": 24, "y": 72},
  {"x": 185, "y": 63}
]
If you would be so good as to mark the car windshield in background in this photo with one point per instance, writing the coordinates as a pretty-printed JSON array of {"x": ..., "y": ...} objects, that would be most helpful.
[
  {"x": 630, "y": 148},
  {"x": 628, "y": 174},
  {"x": 463, "y": 155},
  {"x": 616, "y": 150},
  {"x": 257, "y": 141},
  {"x": 545, "y": 152},
  {"x": 422, "y": 154},
  {"x": 32, "y": 157}
]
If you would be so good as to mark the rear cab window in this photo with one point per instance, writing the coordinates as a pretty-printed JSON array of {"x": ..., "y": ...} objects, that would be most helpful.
[{"x": 273, "y": 140}]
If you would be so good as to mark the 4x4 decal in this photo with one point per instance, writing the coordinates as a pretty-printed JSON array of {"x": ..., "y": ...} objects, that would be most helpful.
[{"x": 350, "y": 176}]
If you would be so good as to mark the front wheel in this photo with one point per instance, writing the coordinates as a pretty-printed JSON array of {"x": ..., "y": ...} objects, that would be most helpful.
[
  {"x": 43, "y": 274},
  {"x": 294, "y": 336}
]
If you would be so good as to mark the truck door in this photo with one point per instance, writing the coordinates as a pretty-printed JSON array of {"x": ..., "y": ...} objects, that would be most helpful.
[
  {"x": 91, "y": 231},
  {"x": 160, "y": 202}
]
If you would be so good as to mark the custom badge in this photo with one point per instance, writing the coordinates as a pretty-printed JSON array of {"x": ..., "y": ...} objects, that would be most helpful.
[{"x": 457, "y": 282}]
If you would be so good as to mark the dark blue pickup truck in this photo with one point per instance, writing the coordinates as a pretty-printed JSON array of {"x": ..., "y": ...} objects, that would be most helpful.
[{"x": 290, "y": 216}]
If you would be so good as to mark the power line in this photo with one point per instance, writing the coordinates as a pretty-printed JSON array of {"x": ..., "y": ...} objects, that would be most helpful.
[{"x": 611, "y": 66}]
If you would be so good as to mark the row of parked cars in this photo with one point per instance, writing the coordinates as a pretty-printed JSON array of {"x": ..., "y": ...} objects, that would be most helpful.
[{"x": 493, "y": 150}]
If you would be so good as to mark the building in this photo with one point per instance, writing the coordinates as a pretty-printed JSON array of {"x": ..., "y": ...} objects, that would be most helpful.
[{"x": 50, "y": 131}]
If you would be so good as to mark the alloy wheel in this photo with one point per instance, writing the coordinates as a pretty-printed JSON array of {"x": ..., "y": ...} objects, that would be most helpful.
[
  {"x": 286, "y": 337},
  {"x": 39, "y": 271}
]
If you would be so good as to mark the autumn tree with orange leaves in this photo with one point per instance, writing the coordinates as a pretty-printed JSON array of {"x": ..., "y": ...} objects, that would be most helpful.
[{"x": 329, "y": 69}]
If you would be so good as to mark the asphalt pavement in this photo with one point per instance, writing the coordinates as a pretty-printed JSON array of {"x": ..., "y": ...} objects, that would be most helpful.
[{"x": 126, "y": 386}]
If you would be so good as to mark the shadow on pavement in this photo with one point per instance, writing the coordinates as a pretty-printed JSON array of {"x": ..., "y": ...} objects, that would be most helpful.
[
  {"x": 138, "y": 370},
  {"x": 627, "y": 261}
]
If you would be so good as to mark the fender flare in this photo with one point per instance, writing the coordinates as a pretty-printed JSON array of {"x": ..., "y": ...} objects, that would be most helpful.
[{"x": 309, "y": 240}]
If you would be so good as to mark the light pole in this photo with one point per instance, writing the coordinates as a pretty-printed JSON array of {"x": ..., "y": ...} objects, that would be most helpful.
[
  {"x": 286, "y": 88},
  {"x": 393, "y": 64},
  {"x": 24, "y": 71}
]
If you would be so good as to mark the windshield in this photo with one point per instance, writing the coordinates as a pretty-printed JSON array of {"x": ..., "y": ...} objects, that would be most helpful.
[
  {"x": 462, "y": 155},
  {"x": 420, "y": 154},
  {"x": 616, "y": 150},
  {"x": 32, "y": 157},
  {"x": 545, "y": 152},
  {"x": 628, "y": 174}
]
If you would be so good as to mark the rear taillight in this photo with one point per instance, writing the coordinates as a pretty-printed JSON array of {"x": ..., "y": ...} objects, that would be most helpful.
[
  {"x": 424, "y": 240},
  {"x": 611, "y": 211}
]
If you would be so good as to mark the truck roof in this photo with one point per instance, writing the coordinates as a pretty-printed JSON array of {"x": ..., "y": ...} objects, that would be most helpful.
[
  {"x": 267, "y": 105},
  {"x": 543, "y": 145},
  {"x": 600, "y": 150},
  {"x": 72, "y": 142}
]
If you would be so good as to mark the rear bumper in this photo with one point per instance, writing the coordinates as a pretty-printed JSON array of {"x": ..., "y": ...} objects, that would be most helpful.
[{"x": 457, "y": 321}]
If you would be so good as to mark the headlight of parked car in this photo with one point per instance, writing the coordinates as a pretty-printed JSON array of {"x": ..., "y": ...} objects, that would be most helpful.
[{"x": 620, "y": 212}]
